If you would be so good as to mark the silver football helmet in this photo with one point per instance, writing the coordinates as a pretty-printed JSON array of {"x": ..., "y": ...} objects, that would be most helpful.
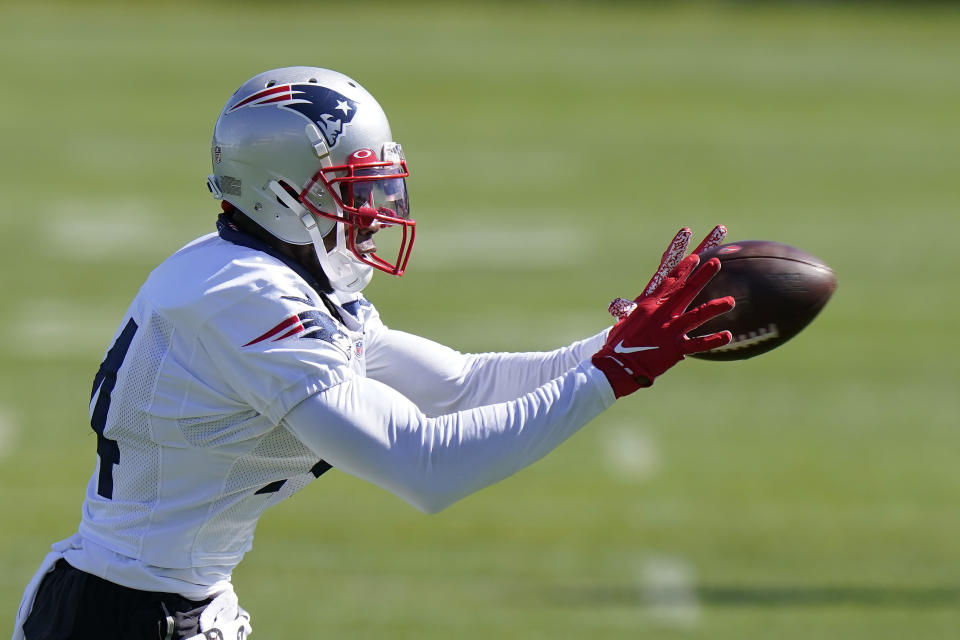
[{"x": 306, "y": 152}]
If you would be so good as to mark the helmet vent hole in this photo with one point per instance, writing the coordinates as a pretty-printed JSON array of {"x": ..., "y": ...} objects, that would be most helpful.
[
  {"x": 313, "y": 80},
  {"x": 352, "y": 85},
  {"x": 270, "y": 84}
]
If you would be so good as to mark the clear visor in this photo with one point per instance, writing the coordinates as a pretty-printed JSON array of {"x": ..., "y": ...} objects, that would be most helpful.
[
  {"x": 373, "y": 192},
  {"x": 383, "y": 205},
  {"x": 359, "y": 194}
]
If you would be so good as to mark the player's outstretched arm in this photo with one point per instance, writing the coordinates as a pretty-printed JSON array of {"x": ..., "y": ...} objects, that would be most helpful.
[
  {"x": 442, "y": 380},
  {"x": 371, "y": 431}
]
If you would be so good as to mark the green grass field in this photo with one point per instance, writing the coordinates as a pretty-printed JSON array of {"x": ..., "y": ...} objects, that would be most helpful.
[{"x": 555, "y": 149}]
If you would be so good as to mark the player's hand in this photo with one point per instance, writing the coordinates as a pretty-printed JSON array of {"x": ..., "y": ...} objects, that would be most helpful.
[
  {"x": 224, "y": 619},
  {"x": 675, "y": 252},
  {"x": 652, "y": 337}
]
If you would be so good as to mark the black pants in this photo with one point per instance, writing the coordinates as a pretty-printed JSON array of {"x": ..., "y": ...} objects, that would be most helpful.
[{"x": 73, "y": 605}]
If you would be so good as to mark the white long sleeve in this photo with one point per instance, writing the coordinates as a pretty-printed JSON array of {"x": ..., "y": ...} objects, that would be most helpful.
[
  {"x": 441, "y": 380},
  {"x": 371, "y": 431}
]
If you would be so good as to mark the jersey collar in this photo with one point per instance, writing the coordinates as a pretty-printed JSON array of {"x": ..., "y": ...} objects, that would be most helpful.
[{"x": 230, "y": 232}]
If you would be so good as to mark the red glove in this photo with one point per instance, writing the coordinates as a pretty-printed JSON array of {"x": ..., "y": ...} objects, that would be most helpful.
[
  {"x": 620, "y": 307},
  {"x": 652, "y": 337}
]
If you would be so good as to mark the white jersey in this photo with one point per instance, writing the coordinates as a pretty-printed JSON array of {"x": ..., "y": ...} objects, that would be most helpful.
[{"x": 232, "y": 383}]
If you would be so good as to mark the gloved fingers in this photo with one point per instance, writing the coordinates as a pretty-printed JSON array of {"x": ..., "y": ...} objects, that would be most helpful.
[
  {"x": 713, "y": 239},
  {"x": 705, "y": 312},
  {"x": 677, "y": 247},
  {"x": 676, "y": 280},
  {"x": 676, "y": 251},
  {"x": 670, "y": 259},
  {"x": 707, "y": 342},
  {"x": 695, "y": 283},
  {"x": 620, "y": 308}
]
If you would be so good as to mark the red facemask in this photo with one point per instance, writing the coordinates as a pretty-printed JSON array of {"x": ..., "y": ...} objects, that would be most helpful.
[{"x": 372, "y": 195}]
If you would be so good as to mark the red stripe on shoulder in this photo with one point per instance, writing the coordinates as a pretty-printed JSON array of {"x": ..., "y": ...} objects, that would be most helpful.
[
  {"x": 286, "y": 324},
  {"x": 297, "y": 329}
]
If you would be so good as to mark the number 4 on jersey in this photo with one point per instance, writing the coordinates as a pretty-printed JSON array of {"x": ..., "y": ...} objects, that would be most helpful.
[{"x": 106, "y": 378}]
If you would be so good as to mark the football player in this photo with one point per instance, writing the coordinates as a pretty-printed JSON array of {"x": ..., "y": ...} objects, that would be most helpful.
[{"x": 250, "y": 363}]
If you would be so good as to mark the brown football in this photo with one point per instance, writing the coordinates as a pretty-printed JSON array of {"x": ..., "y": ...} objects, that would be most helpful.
[{"x": 779, "y": 290}]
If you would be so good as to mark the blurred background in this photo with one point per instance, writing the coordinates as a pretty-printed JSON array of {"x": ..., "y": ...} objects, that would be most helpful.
[{"x": 555, "y": 148}]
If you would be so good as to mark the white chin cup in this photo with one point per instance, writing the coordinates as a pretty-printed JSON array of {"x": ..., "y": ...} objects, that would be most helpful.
[{"x": 344, "y": 272}]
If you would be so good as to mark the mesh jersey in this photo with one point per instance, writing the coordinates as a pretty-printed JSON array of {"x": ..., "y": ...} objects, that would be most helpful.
[{"x": 218, "y": 345}]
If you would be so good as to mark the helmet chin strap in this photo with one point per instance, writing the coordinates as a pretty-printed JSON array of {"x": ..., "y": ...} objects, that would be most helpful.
[{"x": 345, "y": 273}]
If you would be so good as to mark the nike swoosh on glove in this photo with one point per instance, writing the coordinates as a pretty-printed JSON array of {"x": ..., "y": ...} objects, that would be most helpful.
[{"x": 653, "y": 336}]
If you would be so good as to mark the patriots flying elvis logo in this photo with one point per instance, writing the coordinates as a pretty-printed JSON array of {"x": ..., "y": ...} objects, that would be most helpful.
[
  {"x": 324, "y": 107},
  {"x": 311, "y": 324}
]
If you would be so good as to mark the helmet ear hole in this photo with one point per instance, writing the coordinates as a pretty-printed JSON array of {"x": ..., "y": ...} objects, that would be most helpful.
[{"x": 286, "y": 187}]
